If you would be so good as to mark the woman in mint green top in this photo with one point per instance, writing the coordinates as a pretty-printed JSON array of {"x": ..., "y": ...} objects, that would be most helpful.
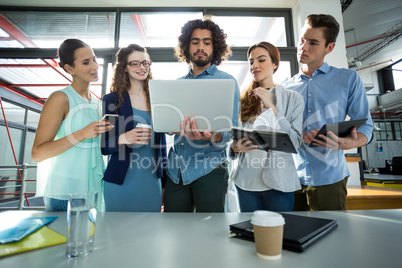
[{"x": 69, "y": 129}]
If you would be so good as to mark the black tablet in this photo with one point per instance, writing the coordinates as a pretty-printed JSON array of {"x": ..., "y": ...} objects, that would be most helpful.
[
  {"x": 266, "y": 138},
  {"x": 340, "y": 129}
]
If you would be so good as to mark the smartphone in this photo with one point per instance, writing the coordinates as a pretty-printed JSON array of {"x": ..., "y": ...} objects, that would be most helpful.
[{"x": 110, "y": 117}]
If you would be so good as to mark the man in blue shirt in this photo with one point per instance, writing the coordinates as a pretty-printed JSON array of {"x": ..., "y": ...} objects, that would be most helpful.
[
  {"x": 330, "y": 95},
  {"x": 197, "y": 165}
]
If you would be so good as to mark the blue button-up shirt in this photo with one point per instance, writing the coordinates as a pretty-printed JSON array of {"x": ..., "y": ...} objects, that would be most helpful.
[
  {"x": 329, "y": 95},
  {"x": 194, "y": 159}
]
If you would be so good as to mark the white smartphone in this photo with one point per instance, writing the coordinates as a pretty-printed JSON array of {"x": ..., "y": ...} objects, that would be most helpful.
[{"x": 110, "y": 117}]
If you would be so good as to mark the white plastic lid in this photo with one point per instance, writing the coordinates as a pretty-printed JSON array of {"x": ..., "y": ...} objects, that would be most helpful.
[
  {"x": 267, "y": 218},
  {"x": 143, "y": 125}
]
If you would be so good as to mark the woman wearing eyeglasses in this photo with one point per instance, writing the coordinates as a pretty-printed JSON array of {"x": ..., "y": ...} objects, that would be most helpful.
[{"x": 135, "y": 172}]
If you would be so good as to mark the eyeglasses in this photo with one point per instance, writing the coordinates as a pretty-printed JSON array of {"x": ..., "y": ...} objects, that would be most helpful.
[{"x": 136, "y": 63}]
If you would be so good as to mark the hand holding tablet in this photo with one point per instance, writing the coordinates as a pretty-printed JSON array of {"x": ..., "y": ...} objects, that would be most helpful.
[{"x": 340, "y": 129}]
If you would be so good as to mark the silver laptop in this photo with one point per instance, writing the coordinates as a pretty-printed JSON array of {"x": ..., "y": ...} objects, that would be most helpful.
[{"x": 208, "y": 101}]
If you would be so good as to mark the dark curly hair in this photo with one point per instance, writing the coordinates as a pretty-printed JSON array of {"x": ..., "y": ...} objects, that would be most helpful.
[
  {"x": 121, "y": 80},
  {"x": 221, "y": 50}
]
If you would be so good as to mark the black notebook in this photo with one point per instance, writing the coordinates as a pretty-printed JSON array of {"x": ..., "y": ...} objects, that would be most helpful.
[
  {"x": 266, "y": 138},
  {"x": 299, "y": 232}
]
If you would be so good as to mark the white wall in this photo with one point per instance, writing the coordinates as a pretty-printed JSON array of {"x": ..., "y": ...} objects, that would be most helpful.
[
  {"x": 369, "y": 77},
  {"x": 304, "y": 8}
]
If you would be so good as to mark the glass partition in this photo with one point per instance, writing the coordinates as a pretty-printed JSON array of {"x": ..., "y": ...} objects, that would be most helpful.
[
  {"x": 156, "y": 29},
  {"x": 13, "y": 113},
  {"x": 41, "y": 77},
  {"x": 245, "y": 31},
  {"x": 48, "y": 29},
  {"x": 33, "y": 119}
]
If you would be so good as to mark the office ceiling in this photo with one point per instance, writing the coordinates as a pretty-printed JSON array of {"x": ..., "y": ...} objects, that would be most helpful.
[
  {"x": 377, "y": 27},
  {"x": 367, "y": 22}
]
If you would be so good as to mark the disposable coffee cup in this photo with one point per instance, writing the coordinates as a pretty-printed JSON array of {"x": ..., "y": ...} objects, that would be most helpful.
[
  {"x": 143, "y": 126},
  {"x": 268, "y": 234}
]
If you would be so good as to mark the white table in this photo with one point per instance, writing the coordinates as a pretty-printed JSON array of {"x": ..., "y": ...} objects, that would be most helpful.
[{"x": 371, "y": 238}]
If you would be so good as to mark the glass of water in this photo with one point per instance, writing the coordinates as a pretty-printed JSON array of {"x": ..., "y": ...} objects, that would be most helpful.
[{"x": 81, "y": 218}]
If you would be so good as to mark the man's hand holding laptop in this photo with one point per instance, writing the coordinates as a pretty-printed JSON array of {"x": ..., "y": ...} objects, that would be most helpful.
[{"x": 188, "y": 129}]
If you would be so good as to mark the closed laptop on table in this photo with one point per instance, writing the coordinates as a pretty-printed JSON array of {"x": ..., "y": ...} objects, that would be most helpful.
[{"x": 299, "y": 232}]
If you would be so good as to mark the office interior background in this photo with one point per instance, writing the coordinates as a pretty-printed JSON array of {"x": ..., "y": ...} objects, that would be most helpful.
[{"x": 30, "y": 32}]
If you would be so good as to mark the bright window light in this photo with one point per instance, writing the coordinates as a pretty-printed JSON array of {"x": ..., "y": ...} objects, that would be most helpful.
[
  {"x": 397, "y": 74},
  {"x": 153, "y": 29},
  {"x": 3, "y": 33},
  {"x": 246, "y": 31}
]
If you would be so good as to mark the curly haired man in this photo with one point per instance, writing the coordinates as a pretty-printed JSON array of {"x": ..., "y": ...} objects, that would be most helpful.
[{"x": 197, "y": 165}]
